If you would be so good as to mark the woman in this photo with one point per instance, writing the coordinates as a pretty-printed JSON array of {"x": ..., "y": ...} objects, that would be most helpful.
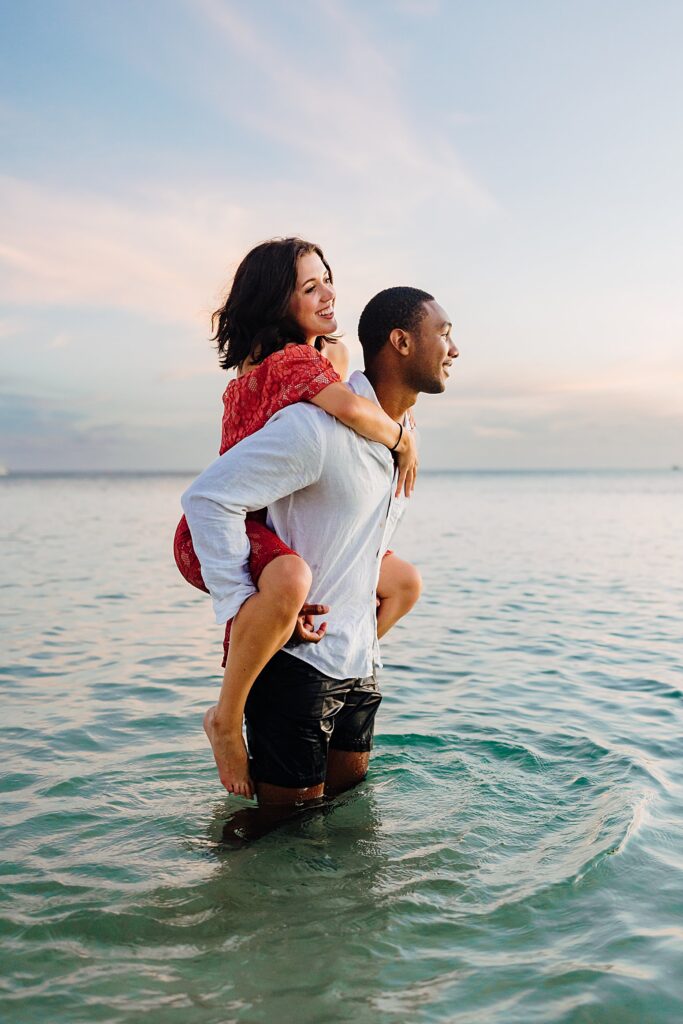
[{"x": 276, "y": 329}]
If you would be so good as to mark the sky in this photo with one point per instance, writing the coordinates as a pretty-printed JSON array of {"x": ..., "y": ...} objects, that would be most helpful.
[{"x": 522, "y": 161}]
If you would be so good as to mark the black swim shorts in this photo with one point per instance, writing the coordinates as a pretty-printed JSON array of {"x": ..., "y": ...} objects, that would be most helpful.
[{"x": 294, "y": 714}]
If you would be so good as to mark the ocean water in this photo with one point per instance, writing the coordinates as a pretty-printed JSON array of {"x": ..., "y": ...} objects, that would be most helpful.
[{"x": 515, "y": 856}]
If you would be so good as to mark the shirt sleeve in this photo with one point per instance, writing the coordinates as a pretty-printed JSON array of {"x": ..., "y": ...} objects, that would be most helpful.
[
  {"x": 303, "y": 374},
  {"x": 285, "y": 456}
]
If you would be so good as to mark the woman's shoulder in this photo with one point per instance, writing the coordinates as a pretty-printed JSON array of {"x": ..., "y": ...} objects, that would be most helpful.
[
  {"x": 297, "y": 353},
  {"x": 254, "y": 370},
  {"x": 295, "y": 358},
  {"x": 295, "y": 364},
  {"x": 336, "y": 352},
  {"x": 291, "y": 353}
]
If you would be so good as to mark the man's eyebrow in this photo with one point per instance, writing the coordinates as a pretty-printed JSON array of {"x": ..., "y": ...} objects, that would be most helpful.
[{"x": 446, "y": 323}]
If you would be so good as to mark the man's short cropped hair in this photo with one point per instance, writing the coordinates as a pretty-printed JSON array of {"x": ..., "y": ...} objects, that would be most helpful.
[{"x": 394, "y": 307}]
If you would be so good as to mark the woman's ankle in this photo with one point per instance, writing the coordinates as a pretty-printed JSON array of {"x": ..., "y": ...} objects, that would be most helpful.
[{"x": 226, "y": 725}]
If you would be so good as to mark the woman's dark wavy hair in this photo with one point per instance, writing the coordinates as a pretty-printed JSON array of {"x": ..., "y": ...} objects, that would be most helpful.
[{"x": 253, "y": 323}]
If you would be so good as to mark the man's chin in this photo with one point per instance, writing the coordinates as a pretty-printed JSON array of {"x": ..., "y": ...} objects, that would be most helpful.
[{"x": 429, "y": 386}]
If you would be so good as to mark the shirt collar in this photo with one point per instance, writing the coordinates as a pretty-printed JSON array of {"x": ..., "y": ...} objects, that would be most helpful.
[
  {"x": 359, "y": 383},
  {"x": 362, "y": 386}
]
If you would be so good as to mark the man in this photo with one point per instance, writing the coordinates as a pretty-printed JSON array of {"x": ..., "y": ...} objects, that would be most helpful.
[{"x": 330, "y": 497}]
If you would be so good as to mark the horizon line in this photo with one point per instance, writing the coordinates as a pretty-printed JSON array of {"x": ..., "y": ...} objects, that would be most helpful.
[{"x": 671, "y": 468}]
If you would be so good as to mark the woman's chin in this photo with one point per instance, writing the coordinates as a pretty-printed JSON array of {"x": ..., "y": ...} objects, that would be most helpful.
[{"x": 329, "y": 326}]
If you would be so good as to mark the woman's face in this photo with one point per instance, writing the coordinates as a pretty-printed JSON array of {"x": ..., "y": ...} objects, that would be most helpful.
[{"x": 312, "y": 303}]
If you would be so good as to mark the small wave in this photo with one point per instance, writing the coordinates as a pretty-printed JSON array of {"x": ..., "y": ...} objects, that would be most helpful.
[{"x": 526, "y": 819}]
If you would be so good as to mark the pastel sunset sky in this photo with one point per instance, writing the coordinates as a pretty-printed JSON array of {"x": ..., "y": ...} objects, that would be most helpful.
[{"x": 520, "y": 160}]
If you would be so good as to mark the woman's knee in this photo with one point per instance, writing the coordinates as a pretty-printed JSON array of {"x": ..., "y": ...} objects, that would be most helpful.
[
  {"x": 410, "y": 584},
  {"x": 289, "y": 579}
]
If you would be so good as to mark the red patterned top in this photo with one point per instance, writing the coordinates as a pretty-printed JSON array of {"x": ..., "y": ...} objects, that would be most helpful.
[{"x": 296, "y": 373}]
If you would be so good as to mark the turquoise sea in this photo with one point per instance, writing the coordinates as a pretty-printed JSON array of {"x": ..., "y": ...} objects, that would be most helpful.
[{"x": 515, "y": 856}]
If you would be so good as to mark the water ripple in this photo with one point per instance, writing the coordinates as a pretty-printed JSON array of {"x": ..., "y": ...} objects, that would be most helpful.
[{"x": 514, "y": 857}]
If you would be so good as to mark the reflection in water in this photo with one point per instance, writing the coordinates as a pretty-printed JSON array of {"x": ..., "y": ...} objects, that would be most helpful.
[
  {"x": 249, "y": 824},
  {"x": 303, "y": 913}
]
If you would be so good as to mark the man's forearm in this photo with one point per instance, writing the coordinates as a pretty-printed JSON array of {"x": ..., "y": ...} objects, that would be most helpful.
[
  {"x": 283, "y": 457},
  {"x": 221, "y": 545}
]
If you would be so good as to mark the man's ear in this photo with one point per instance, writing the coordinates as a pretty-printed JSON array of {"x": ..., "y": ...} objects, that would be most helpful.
[{"x": 400, "y": 341}]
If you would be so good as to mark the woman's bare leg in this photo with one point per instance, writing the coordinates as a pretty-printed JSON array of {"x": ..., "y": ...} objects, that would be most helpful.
[
  {"x": 398, "y": 589},
  {"x": 262, "y": 626}
]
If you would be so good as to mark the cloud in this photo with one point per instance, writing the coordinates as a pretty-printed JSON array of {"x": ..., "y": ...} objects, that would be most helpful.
[
  {"x": 352, "y": 123},
  {"x": 35, "y": 429},
  {"x": 10, "y": 327},
  {"x": 314, "y": 119},
  {"x": 365, "y": 169},
  {"x": 40, "y": 432},
  {"x": 529, "y": 402},
  {"x": 60, "y": 340},
  {"x": 578, "y": 428},
  {"x": 153, "y": 252},
  {"x": 167, "y": 254}
]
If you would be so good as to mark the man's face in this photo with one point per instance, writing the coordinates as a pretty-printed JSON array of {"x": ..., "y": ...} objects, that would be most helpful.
[{"x": 433, "y": 352}]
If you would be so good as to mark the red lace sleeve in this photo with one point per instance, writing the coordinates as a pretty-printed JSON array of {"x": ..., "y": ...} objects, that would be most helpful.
[{"x": 302, "y": 373}]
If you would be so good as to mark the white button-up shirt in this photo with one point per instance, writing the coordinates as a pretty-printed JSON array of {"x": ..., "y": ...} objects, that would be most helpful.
[{"x": 330, "y": 497}]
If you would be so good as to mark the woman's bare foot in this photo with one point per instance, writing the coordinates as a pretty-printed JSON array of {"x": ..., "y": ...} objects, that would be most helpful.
[{"x": 231, "y": 757}]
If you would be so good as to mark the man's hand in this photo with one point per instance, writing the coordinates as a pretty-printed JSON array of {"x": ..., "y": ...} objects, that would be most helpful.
[{"x": 305, "y": 631}]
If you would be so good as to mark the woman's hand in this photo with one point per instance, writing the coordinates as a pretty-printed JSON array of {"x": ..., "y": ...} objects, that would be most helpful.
[{"x": 406, "y": 460}]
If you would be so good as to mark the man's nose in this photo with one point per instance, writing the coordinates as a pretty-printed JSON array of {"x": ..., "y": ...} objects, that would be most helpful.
[{"x": 453, "y": 350}]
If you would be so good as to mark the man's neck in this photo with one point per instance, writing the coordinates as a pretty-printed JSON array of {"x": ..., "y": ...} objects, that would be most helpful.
[{"x": 394, "y": 396}]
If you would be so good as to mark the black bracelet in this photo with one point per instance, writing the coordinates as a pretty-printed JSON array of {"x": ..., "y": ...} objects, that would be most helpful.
[{"x": 400, "y": 435}]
